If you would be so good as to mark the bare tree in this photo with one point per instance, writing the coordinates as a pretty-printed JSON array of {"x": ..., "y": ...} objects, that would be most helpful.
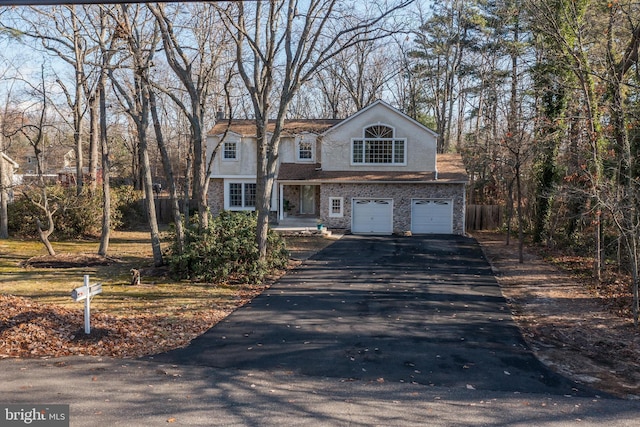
[
  {"x": 194, "y": 58},
  {"x": 279, "y": 47},
  {"x": 623, "y": 201},
  {"x": 134, "y": 96},
  {"x": 106, "y": 38},
  {"x": 61, "y": 32},
  {"x": 33, "y": 129}
]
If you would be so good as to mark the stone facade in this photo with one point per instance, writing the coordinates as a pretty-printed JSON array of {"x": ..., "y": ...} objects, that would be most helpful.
[
  {"x": 292, "y": 194},
  {"x": 401, "y": 195}
]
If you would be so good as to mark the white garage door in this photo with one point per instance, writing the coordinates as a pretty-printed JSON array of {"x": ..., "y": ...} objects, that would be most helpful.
[
  {"x": 430, "y": 216},
  {"x": 372, "y": 216}
]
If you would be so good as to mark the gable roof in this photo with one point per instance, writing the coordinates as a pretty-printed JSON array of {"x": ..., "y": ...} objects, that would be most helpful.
[
  {"x": 291, "y": 127},
  {"x": 450, "y": 170},
  {"x": 10, "y": 161},
  {"x": 388, "y": 107}
]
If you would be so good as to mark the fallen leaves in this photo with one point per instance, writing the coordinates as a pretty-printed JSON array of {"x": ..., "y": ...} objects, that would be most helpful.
[
  {"x": 579, "y": 328},
  {"x": 29, "y": 329}
]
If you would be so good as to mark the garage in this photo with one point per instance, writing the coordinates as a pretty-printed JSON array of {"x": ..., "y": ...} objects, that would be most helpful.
[
  {"x": 372, "y": 216},
  {"x": 431, "y": 216}
]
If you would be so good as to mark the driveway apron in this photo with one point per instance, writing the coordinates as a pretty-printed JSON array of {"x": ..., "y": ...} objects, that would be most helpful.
[{"x": 422, "y": 309}]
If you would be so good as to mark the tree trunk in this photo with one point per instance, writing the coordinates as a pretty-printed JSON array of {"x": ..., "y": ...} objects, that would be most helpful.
[
  {"x": 520, "y": 216},
  {"x": 106, "y": 175},
  {"x": 509, "y": 211},
  {"x": 4, "y": 178},
  {"x": 168, "y": 171},
  {"x": 150, "y": 204},
  {"x": 44, "y": 235},
  {"x": 186, "y": 207},
  {"x": 94, "y": 142},
  {"x": 263, "y": 191}
]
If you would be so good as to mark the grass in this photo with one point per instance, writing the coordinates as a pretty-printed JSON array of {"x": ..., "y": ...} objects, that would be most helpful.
[{"x": 157, "y": 294}]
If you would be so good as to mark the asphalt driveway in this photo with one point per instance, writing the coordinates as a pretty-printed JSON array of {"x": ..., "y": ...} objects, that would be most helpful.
[{"x": 423, "y": 310}]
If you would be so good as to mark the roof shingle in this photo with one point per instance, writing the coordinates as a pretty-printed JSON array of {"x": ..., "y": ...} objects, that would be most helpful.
[
  {"x": 450, "y": 169},
  {"x": 291, "y": 127}
]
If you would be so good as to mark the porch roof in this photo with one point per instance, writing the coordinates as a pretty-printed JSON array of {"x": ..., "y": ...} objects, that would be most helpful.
[{"x": 450, "y": 170}]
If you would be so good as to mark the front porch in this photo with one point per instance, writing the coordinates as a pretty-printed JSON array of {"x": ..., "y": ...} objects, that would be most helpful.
[{"x": 298, "y": 204}]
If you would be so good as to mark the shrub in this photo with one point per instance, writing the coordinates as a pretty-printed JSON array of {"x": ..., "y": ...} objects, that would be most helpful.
[
  {"x": 128, "y": 208},
  {"x": 227, "y": 251},
  {"x": 75, "y": 216}
]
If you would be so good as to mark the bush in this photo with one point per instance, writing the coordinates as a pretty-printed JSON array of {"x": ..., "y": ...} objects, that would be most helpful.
[
  {"x": 227, "y": 251},
  {"x": 128, "y": 207},
  {"x": 76, "y": 216}
]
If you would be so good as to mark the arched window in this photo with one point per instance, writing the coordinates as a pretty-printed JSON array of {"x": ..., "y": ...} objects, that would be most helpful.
[{"x": 378, "y": 147}]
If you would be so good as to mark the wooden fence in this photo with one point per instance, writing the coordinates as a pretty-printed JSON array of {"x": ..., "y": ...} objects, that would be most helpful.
[
  {"x": 163, "y": 209},
  {"x": 483, "y": 217}
]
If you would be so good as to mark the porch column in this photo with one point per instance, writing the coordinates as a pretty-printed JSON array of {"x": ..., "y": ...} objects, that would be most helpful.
[{"x": 281, "y": 202}]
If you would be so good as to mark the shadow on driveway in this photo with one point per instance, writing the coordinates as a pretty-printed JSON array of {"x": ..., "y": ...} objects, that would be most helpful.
[{"x": 423, "y": 309}]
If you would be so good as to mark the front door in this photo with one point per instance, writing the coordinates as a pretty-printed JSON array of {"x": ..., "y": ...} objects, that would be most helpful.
[{"x": 307, "y": 199}]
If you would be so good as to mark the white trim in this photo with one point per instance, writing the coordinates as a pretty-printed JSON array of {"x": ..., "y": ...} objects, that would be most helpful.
[
  {"x": 280, "y": 201},
  {"x": 370, "y": 106},
  {"x": 10, "y": 161},
  {"x": 450, "y": 204},
  {"x": 235, "y": 159},
  {"x": 404, "y": 163},
  {"x": 389, "y": 201},
  {"x": 336, "y": 214},
  {"x": 300, "y": 139},
  {"x": 235, "y": 177},
  {"x": 227, "y": 204}
]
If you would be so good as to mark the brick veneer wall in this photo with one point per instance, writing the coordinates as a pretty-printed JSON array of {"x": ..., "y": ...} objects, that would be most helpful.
[
  {"x": 215, "y": 196},
  {"x": 401, "y": 195}
]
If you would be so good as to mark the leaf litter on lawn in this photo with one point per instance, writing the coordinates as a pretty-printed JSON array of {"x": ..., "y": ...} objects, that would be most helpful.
[{"x": 38, "y": 318}]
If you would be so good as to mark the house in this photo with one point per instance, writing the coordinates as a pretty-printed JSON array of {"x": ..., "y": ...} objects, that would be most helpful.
[
  {"x": 376, "y": 172},
  {"x": 10, "y": 178}
]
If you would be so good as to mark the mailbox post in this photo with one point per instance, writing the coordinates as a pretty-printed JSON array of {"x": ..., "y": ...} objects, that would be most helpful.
[{"x": 85, "y": 293}]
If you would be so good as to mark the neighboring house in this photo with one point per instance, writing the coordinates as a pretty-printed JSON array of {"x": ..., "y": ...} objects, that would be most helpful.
[
  {"x": 10, "y": 178},
  {"x": 375, "y": 172}
]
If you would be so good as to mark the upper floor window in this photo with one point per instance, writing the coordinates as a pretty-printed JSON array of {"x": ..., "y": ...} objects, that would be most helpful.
[
  {"x": 230, "y": 150},
  {"x": 378, "y": 147},
  {"x": 304, "y": 150}
]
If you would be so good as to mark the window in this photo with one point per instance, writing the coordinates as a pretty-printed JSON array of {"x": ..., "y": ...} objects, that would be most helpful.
[
  {"x": 335, "y": 207},
  {"x": 242, "y": 195},
  {"x": 304, "y": 151},
  {"x": 378, "y": 147},
  {"x": 230, "y": 150}
]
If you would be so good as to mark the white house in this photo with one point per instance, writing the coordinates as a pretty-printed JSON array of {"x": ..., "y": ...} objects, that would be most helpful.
[
  {"x": 375, "y": 172},
  {"x": 10, "y": 168}
]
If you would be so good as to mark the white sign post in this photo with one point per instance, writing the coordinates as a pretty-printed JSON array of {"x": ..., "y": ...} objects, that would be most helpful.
[{"x": 85, "y": 293}]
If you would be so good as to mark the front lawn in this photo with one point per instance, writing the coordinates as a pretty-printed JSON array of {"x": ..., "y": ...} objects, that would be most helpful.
[{"x": 38, "y": 317}]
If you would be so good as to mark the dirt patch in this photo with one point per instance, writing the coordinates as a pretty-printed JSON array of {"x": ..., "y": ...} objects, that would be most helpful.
[
  {"x": 570, "y": 328},
  {"x": 67, "y": 261},
  {"x": 303, "y": 246}
]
